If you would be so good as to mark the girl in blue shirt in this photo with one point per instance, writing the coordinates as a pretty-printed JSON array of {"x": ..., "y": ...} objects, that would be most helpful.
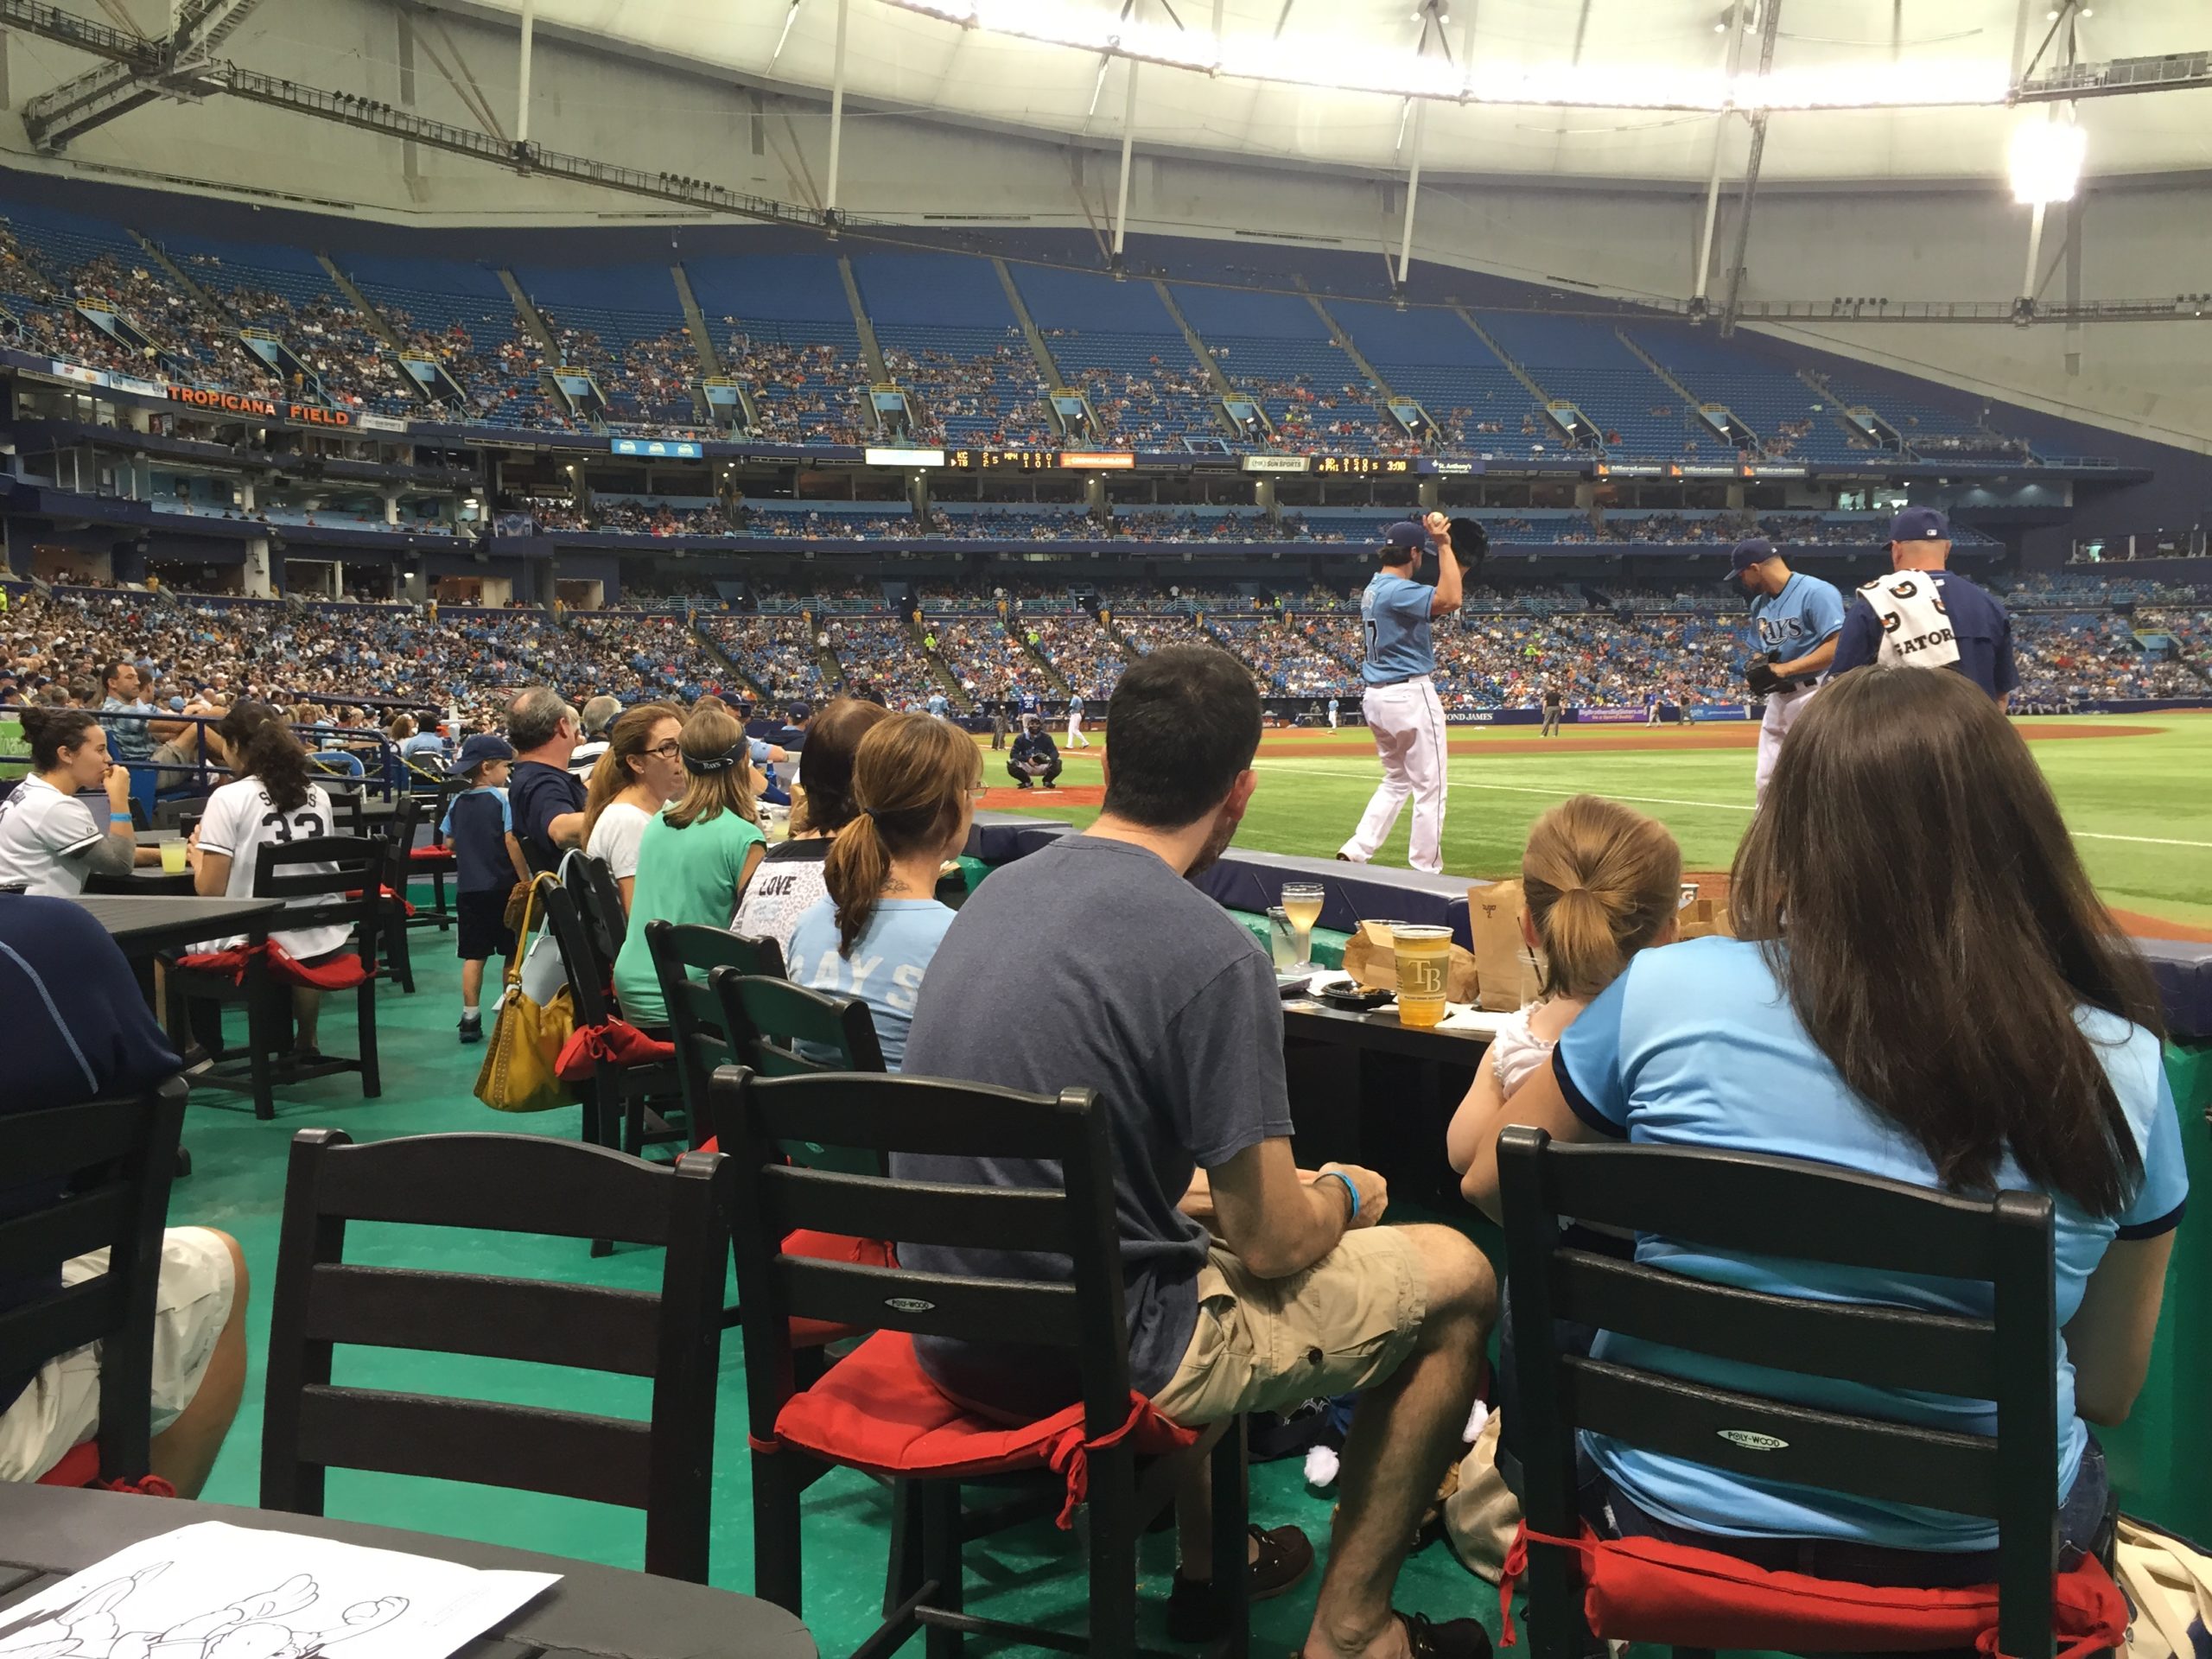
[
  {"x": 915, "y": 781},
  {"x": 1926, "y": 988}
]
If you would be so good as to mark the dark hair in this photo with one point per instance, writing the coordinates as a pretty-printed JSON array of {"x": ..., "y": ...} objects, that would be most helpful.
[
  {"x": 1914, "y": 889},
  {"x": 261, "y": 747},
  {"x": 52, "y": 730},
  {"x": 911, "y": 776},
  {"x": 109, "y": 670},
  {"x": 824, "y": 803},
  {"x": 1185, "y": 721}
]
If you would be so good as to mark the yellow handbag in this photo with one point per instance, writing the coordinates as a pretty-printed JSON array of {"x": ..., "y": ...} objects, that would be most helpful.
[{"x": 518, "y": 1074}]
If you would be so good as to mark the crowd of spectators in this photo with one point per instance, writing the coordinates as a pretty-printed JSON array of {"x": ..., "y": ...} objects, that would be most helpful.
[
  {"x": 803, "y": 391},
  {"x": 1502, "y": 650}
]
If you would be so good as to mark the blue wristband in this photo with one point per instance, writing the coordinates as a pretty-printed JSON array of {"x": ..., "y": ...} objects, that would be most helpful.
[
  {"x": 1351, "y": 1192},
  {"x": 118, "y": 817}
]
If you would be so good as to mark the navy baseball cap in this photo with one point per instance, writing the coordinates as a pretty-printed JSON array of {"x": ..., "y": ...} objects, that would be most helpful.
[
  {"x": 1753, "y": 549},
  {"x": 484, "y": 746},
  {"x": 1920, "y": 525},
  {"x": 1405, "y": 533}
]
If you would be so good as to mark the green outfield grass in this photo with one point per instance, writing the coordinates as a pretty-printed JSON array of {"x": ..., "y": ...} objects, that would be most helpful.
[{"x": 2141, "y": 806}]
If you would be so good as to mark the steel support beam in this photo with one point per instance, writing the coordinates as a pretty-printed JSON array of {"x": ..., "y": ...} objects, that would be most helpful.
[
  {"x": 162, "y": 68},
  {"x": 522, "y": 72},
  {"x": 1732, "y": 58},
  {"x": 836, "y": 113},
  {"x": 1769, "y": 24},
  {"x": 1413, "y": 190},
  {"x": 1128, "y": 147}
]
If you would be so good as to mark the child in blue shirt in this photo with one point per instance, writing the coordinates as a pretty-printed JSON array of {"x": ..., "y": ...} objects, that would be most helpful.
[{"x": 487, "y": 862}]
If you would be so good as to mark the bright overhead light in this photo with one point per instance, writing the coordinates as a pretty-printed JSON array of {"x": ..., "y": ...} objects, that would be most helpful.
[
  {"x": 1353, "y": 66},
  {"x": 2046, "y": 161}
]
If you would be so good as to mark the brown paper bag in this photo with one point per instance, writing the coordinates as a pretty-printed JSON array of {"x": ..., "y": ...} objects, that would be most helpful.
[
  {"x": 1371, "y": 959},
  {"x": 1704, "y": 919},
  {"x": 1502, "y": 959}
]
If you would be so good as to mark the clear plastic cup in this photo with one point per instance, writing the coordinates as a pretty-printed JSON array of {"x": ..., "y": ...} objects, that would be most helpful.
[{"x": 1424, "y": 962}]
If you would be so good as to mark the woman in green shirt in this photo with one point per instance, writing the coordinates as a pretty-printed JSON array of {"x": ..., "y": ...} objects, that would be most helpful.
[{"x": 696, "y": 857}]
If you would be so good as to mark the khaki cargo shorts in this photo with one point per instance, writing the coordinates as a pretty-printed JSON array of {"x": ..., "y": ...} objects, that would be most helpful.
[{"x": 1262, "y": 1344}]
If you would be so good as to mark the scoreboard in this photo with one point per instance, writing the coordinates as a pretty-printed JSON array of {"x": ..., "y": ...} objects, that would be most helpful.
[
  {"x": 991, "y": 461},
  {"x": 1362, "y": 466},
  {"x": 1089, "y": 461}
]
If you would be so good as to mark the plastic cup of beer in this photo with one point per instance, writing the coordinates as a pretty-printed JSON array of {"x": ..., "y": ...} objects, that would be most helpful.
[
  {"x": 173, "y": 855},
  {"x": 776, "y": 822},
  {"x": 1282, "y": 940},
  {"x": 1424, "y": 957},
  {"x": 1301, "y": 903}
]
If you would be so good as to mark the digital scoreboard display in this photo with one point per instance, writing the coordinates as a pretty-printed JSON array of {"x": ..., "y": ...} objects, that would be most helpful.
[
  {"x": 1361, "y": 466},
  {"x": 991, "y": 461}
]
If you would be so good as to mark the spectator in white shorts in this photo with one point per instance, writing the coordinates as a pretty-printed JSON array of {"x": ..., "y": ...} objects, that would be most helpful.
[{"x": 83, "y": 1032}]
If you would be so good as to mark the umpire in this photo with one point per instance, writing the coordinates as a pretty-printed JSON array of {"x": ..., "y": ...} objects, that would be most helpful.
[{"x": 1925, "y": 616}]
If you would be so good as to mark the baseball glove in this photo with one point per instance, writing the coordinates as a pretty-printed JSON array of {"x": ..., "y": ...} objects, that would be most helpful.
[
  {"x": 1762, "y": 678},
  {"x": 1470, "y": 544}
]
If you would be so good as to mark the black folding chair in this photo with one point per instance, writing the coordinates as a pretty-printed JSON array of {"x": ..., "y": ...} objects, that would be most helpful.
[
  {"x": 768, "y": 1019},
  {"x": 510, "y": 1184},
  {"x": 599, "y": 901},
  {"x": 347, "y": 892},
  {"x": 616, "y": 1097},
  {"x": 435, "y": 859},
  {"x": 759, "y": 1121},
  {"x": 1791, "y": 1210},
  {"x": 683, "y": 954},
  {"x": 104, "y": 1166},
  {"x": 398, "y": 836}
]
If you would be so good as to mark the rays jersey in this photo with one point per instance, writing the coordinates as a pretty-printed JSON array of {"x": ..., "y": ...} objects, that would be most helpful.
[
  {"x": 1807, "y": 612},
  {"x": 1394, "y": 614}
]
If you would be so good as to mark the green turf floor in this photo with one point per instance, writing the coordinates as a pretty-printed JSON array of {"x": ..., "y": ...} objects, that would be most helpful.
[
  {"x": 237, "y": 1185},
  {"x": 2141, "y": 806}
]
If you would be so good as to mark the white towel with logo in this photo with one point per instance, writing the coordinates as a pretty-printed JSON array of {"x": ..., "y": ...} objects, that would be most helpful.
[{"x": 1915, "y": 627}]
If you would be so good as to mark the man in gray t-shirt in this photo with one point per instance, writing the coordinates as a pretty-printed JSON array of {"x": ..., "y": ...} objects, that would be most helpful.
[{"x": 1250, "y": 1284}]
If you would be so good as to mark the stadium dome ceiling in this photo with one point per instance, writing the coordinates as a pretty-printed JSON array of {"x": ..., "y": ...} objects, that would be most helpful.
[{"x": 904, "y": 56}]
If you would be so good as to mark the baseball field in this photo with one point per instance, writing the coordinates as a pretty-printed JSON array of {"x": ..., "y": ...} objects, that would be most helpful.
[{"x": 2137, "y": 791}]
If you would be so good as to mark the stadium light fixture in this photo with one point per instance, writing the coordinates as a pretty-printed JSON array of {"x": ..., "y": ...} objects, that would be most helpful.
[
  {"x": 2046, "y": 161},
  {"x": 1353, "y": 66}
]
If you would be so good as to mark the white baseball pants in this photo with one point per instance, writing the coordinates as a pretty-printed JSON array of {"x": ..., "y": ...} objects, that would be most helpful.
[
  {"x": 1782, "y": 709},
  {"x": 1407, "y": 721},
  {"x": 1076, "y": 738}
]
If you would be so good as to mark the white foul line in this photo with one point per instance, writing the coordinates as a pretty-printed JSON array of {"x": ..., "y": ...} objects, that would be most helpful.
[{"x": 1666, "y": 800}]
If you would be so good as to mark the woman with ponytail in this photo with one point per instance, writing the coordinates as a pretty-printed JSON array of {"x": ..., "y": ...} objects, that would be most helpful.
[
  {"x": 1599, "y": 884},
  {"x": 694, "y": 854},
  {"x": 1925, "y": 988},
  {"x": 270, "y": 799},
  {"x": 640, "y": 771},
  {"x": 51, "y": 839},
  {"x": 915, "y": 780}
]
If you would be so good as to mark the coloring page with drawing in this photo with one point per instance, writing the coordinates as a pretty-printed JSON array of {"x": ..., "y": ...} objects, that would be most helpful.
[{"x": 212, "y": 1591}]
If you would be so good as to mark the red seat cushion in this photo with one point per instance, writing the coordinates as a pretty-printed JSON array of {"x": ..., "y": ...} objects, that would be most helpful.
[
  {"x": 617, "y": 1043},
  {"x": 80, "y": 1466},
  {"x": 1645, "y": 1590},
  {"x": 877, "y": 1410},
  {"x": 339, "y": 974},
  {"x": 431, "y": 855},
  {"x": 833, "y": 1247}
]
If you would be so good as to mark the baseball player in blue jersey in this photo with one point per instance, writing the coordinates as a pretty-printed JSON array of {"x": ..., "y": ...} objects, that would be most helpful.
[
  {"x": 937, "y": 704},
  {"x": 1333, "y": 714},
  {"x": 1076, "y": 738},
  {"x": 1794, "y": 619},
  {"x": 1400, "y": 703}
]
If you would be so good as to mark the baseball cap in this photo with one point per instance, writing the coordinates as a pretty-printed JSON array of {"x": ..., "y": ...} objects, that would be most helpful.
[
  {"x": 484, "y": 746},
  {"x": 1753, "y": 549},
  {"x": 1405, "y": 533},
  {"x": 1919, "y": 524}
]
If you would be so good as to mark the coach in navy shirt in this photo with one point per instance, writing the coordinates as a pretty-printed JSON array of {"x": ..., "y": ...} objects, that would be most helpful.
[{"x": 1898, "y": 619}]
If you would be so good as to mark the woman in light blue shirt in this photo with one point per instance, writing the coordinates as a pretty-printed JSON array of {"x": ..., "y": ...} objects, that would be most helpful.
[
  {"x": 1928, "y": 989},
  {"x": 915, "y": 780}
]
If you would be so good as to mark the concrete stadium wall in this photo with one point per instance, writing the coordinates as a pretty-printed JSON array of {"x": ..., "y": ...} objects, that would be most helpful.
[{"x": 2128, "y": 238}]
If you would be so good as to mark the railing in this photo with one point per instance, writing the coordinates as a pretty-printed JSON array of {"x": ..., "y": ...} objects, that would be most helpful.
[{"x": 150, "y": 778}]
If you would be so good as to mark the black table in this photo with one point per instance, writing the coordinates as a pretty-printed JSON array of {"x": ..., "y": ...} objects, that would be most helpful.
[
  {"x": 47, "y": 1532},
  {"x": 142, "y": 925},
  {"x": 1366, "y": 1089}
]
